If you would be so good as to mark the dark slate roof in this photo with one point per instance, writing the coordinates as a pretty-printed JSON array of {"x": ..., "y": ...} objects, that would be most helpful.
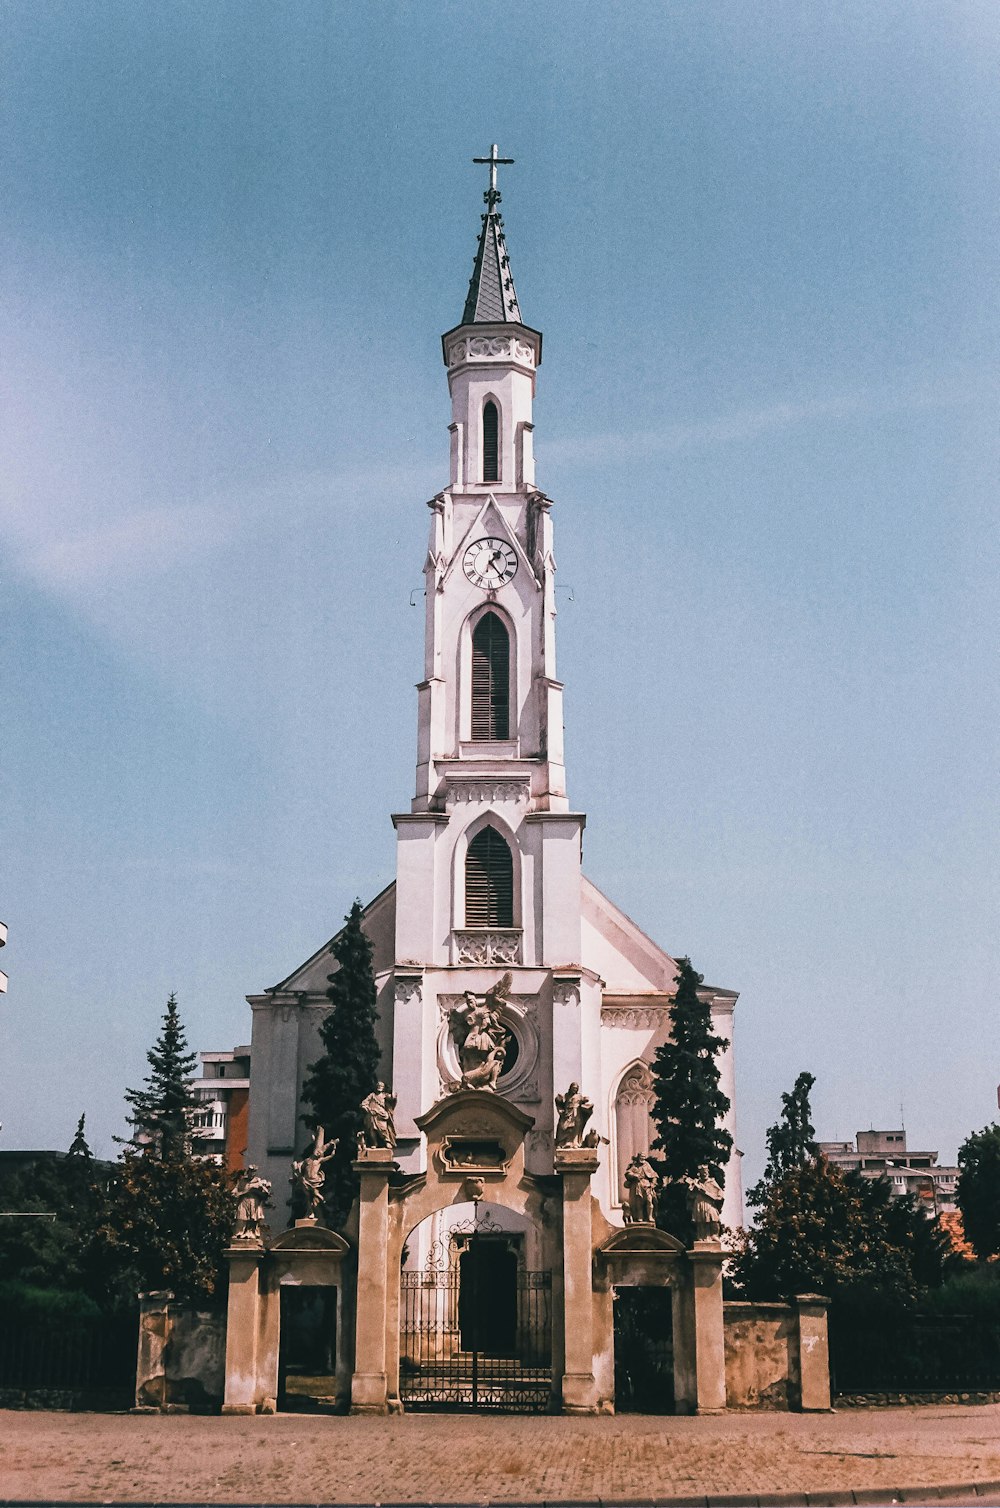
[{"x": 491, "y": 298}]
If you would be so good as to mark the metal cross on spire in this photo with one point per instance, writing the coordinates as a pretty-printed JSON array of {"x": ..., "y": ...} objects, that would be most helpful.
[{"x": 492, "y": 195}]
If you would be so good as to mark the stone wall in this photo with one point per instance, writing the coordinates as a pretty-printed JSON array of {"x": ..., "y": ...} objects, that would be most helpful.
[
  {"x": 182, "y": 1356},
  {"x": 777, "y": 1356}
]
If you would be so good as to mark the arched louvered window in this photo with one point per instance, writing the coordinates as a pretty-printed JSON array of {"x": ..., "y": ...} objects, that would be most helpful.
[
  {"x": 489, "y": 881},
  {"x": 490, "y": 680},
  {"x": 491, "y": 443}
]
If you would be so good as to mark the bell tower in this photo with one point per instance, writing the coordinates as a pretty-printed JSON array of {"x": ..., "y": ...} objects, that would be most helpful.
[{"x": 488, "y": 857}]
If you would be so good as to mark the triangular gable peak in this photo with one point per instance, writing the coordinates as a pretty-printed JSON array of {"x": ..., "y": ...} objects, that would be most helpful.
[
  {"x": 490, "y": 520},
  {"x": 378, "y": 924},
  {"x": 627, "y": 960}
]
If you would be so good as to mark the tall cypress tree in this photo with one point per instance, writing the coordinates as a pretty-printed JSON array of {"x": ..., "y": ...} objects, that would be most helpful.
[
  {"x": 162, "y": 1111},
  {"x": 348, "y": 1069},
  {"x": 689, "y": 1105},
  {"x": 790, "y": 1141}
]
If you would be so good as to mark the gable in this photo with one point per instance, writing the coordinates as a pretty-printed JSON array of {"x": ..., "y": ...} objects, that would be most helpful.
[
  {"x": 613, "y": 946},
  {"x": 378, "y": 925}
]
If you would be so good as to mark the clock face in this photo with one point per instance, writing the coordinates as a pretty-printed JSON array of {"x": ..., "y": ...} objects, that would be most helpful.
[{"x": 489, "y": 563}]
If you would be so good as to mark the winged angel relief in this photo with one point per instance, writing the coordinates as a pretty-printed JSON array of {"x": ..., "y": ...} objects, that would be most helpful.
[{"x": 480, "y": 1035}]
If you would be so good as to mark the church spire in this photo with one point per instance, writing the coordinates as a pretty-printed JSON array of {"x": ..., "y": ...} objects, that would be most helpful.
[{"x": 491, "y": 298}]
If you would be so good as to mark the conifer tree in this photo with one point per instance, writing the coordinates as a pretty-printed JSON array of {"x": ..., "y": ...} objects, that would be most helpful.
[
  {"x": 689, "y": 1105},
  {"x": 78, "y": 1147},
  {"x": 348, "y": 1069},
  {"x": 162, "y": 1112},
  {"x": 790, "y": 1141}
]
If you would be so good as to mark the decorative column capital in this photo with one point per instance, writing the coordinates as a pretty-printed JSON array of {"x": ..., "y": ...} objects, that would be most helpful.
[{"x": 578, "y": 1161}]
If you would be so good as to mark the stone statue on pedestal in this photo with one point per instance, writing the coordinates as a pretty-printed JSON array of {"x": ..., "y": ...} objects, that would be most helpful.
[
  {"x": 308, "y": 1175},
  {"x": 641, "y": 1188},
  {"x": 379, "y": 1128},
  {"x": 253, "y": 1195},
  {"x": 705, "y": 1204},
  {"x": 481, "y": 1037},
  {"x": 574, "y": 1111}
]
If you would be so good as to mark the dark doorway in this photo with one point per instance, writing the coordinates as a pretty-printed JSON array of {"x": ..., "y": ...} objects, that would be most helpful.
[
  {"x": 307, "y": 1352},
  {"x": 487, "y": 1298},
  {"x": 644, "y": 1351}
]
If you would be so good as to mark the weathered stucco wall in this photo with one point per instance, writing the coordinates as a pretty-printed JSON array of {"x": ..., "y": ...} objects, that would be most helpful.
[
  {"x": 777, "y": 1355},
  {"x": 762, "y": 1356},
  {"x": 182, "y": 1356}
]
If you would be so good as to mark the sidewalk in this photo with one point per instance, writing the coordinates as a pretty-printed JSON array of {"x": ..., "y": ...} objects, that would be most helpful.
[{"x": 463, "y": 1458}]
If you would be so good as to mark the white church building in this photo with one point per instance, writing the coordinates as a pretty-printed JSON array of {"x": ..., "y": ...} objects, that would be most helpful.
[
  {"x": 488, "y": 855},
  {"x": 479, "y": 1215}
]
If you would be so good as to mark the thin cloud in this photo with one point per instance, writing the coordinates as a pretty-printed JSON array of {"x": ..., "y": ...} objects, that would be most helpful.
[{"x": 748, "y": 423}]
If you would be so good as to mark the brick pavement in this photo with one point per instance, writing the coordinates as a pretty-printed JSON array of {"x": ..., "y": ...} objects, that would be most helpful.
[{"x": 468, "y": 1459}]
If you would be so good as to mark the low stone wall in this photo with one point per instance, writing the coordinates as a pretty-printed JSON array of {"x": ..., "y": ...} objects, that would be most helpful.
[
  {"x": 182, "y": 1356},
  {"x": 777, "y": 1355}
]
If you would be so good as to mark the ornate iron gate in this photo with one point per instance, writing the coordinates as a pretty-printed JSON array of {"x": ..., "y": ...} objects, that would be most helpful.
[{"x": 476, "y": 1334}]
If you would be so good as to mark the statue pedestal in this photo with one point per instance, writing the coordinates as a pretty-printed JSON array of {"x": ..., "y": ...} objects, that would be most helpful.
[
  {"x": 369, "y": 1388},
  {"x": 705, "y": 1257},
  {"x": 576, "y": 1166}
]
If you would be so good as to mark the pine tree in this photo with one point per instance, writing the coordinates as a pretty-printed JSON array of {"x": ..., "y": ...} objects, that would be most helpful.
[
  {"x": 348, "y": 1069},
  {"x": 790, "y": 1141},
  {"x": 978, "y": 1190},
  {"x": 78, "y": 1147},
  {"x": 689, "y": 1105},
  {"x": 162, "y": 1112}
]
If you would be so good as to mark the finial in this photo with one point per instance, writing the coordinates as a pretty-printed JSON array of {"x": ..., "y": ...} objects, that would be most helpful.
[{"x": 493, "y": 161}]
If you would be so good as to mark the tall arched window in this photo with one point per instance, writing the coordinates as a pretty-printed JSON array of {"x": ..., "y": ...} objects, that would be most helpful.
[
  {"x": 491, "y": 442},
  {"x": 490, "y": 680},
  {"x": 489, "y": 881},
  {"x": 634, "y": 1128}
]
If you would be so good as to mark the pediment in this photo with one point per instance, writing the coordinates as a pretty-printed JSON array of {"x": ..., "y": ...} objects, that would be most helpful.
[
  {"x": 379, "y": 925},
  {"x": 310, "y": 1238},
  {"x": 474, "y": 1112},
  {"x": 490, "y": 520},
  {"x": 619, "y": 951},
  {"x": 640, "y": 1241}
]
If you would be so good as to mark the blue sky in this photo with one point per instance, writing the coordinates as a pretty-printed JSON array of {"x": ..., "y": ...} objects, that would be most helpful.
[{"x": 761, "y": 241}]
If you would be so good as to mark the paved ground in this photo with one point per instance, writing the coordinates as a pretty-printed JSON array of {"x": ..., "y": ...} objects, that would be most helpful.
[{"x": 467, "y": 1459}]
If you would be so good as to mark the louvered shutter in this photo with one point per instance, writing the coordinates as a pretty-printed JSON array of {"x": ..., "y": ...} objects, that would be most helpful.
[
  {"x": 491, "y": 443},
  {"x": 489, "y": 881},
  {"x": 490, "y": 680}
]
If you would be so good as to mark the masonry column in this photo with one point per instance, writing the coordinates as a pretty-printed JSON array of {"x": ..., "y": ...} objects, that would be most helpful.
[
  {"x": 242, "y": 1328},
  {"x": 814, "y": 1353},
  {"x": 368, "y": 1385},
  {"x": 576, "y": 1166},
  {"x": 709, "y": 1327}
]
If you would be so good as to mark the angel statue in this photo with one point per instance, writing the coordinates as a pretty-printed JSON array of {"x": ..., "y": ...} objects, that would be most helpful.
[
  {"x": 308, "y": 1174},
  {"x": 480, "y": 1035},
  {"x": 253, "y": 1194}
]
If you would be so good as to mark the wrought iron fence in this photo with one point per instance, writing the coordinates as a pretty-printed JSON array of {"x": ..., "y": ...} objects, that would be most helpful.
[
  {"x": 904, "y": 1352},
  {"x": 94, "y": 1360}
]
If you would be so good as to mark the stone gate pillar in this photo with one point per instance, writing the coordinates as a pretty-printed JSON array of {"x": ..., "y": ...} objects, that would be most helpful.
[
  {"x": 242, "y": 1394},
  {"x": 576, "y": 1166},
  {"x": 705, "y": 1258},
  {"x": 369, "y": 1391}
]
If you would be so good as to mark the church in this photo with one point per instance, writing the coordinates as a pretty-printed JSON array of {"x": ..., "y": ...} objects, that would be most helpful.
[{"x": 493, "y": 1262}]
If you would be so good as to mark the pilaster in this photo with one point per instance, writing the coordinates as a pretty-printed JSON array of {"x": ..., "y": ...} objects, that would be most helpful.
[
  {"x": 705, "y": 1258},
  {"x": 576, "y": 1166},
  {"x": 242, "y": 1328},
  {"x": 369, "y": 1389}
]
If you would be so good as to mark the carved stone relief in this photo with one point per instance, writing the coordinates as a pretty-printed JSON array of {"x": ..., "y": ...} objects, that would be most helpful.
[
  {"x": 481, "y": 947},
  {"x": 633, "y": 1017},
  {"x": 565, "y": 992},
  {"x": 487, "y": 792}
]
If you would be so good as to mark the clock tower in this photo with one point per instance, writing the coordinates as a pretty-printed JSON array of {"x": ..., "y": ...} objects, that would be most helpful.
[{"x": 488, "y": 857}]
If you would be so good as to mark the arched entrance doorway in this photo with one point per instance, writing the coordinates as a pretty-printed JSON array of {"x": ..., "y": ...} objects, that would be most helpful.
[{"x": 475, "y": 1319}]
